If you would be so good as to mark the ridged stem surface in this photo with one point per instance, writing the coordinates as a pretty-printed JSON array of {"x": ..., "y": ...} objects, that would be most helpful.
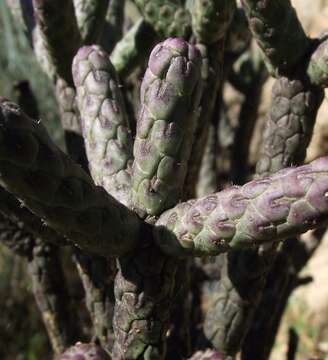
[
  {"x": 133, "y": 49},
  {"x": 104, "y": 122},
  {"x": 287, "y": 133},
  {"x": 58, "y": 190},
  {"x": 278, "y": 31},
  {"x": 262, "y": 211},
  {"x": 90, "y": 16},
  {"x": 114, "y": 21},
  {"x": 169, "y": 99},
  {"x": 168, "y": 17},
  {"x": 58, "y": 27},
  {"x": 145, "y": 283},
  {"x": 51, "y": 295}
]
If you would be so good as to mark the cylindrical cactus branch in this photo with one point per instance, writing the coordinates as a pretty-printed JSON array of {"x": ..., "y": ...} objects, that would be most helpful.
[
  {"x": 90, "y": 16},
  {"x": 281, "y": 281},
  {"x": 289, "y": 125},
  {"x": 58, "y": 27},
  {"x": 22, "y": 12},
  {"x": 58, "y": 190},
  {"x": 168, "y": 17},
  {"x": 317, "y": 70},
  {"x": 210, "y": 19},
  {"x": 82, "y": 351},
  {"x": 114, "y": 22},
  {"x": 97, "y": 275},
  {"x": 250, "y": 78},
  {"x": 170, "y": 94},
  {"x": 134, "y": 48},
  {"x": 288, "y": 131},
  {"x": 210, "y": 39},
  {"x": 51, "y": 295},
  {"x": 278, "y": 31},
  {"x": 104, "y": 122},
  {"x": 287, "y": 203},
  {"x": 48, "y": 281}
]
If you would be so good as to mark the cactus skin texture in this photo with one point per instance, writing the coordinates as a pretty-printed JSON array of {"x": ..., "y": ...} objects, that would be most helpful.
[
  {"x": 84, "y": 352},
  {"x": 168, "y": 17},
  {"x": 287, "y": 133},
  {"x": 147, "y": 278},
  {"x": 279, "y": 33},
  {"x": 317, "y": 70},
  {"x": 210, "y": 19},
  {"x": 170, "y": 94},
  {"x": 133, "y": 49},
  {"x": 144, "y": 294},
  {"x": 58, "y": 190},
  {"x": 59, "y": 30},
  {"x": 287, "y": 203},
  {"x": 90, "y": 16},
  {"x": 289, "y": 125},
  {"x": 104, "y": 121}
]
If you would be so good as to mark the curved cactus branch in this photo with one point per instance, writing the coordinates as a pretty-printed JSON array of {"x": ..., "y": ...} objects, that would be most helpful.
[
  {"x": 58, "y": 190},
  {"x": 287, "y": 203},
  {"x": 168, "y": 17},
  {"x": 170, "y": 94},
  {"x": 287, "y": 133},
  {"x": 104, "y": 121},
  {"x": 278, "y": 31},
  {"x": 133, "y": 49},
  {"x": 90, "y": 16}
]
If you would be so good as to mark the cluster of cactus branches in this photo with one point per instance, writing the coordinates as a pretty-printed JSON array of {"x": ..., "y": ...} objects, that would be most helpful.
[{"x": 172, "y": 267}]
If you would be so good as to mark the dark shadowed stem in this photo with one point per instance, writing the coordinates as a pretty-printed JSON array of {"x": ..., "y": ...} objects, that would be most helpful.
[
  {"x": 97, "y": 275},
  {"x": 51, "y": 295},
  {"x": 281, "y": 282},
  {"x": 113, "y": 28},
  {"x": 293, "y": 340},
  {"x": 252, "y": 75}
]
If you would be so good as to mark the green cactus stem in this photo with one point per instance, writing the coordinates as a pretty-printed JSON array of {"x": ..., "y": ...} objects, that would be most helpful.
[
  {"x": 289, "y": 125},
  {"x": 58, "y": 190},
  {"x": 170, "y": 94},
  {"x": 167, "y": 17},
  {"x": 104, "y": 121},
  {"x": 287, "y": 133},
  {"x": 114, "y": 21},
  {"x": 97, "y": 275},
  {"x": 60, "y": 33},
  {"x": 317, "y": 69},
  {"x": 287, "y": 203},
  {"x": 90, "y": 16},
  {"x": 251, "y": 77},
  {"x": 133, "y": 49},
  {"x": 210, "y": 19},
  {"x": 51, "y": 295},
  {"x": 278, "y": 31},
  {"x": 281, "y": 281}
]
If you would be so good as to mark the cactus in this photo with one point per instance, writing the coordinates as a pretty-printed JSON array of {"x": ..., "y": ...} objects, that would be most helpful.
[{"x": 122, "y": 196}]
